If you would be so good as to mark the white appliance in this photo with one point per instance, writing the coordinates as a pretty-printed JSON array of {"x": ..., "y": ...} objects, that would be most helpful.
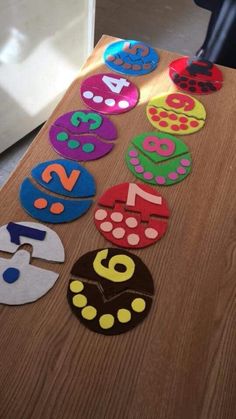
[{"x": 42, "y": 47}]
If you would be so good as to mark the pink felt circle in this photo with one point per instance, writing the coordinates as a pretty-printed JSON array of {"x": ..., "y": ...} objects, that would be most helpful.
[
  {"x": 112, "y": 94},
  {"x": 118, "y": 233},
  {"x": 106, "y": 226},
  {"x": 131, "y": 222},
  {"x": 100, "y": 214},
  {"x": 185, "y": 162},
  {"x": 160, "y": 180},
  {"x": 134, "y": 161},
  {"x": 133, "y": 239},
  {"x": 133, "y": 153},
  {"x": 173, "y": 176},
  {"x": 181, "y": 170},
  {"x": 151, "y": 233},
  {"x": 117, "y": 217},
  {"x": 139, "y": 169},
  {"x": 148, "y": 175}
]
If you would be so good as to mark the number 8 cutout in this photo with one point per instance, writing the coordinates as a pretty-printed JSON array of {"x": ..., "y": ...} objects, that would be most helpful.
[
  {"x": 176, "y": 113},
  {"x": 158, "y": 158},
  {"x": 109, "y": 93},
  {"x": 126, "y": 215}
]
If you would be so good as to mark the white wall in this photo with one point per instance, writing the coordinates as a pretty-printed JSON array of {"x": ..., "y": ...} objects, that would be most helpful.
[{"x": 42, "y": 47}]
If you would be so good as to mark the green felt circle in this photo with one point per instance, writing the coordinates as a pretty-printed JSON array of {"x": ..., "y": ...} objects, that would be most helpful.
[
  {"x": 88, "y": 148},
  {"x": 73, "y": 144},
  {"x": 62, "y": 136},
  {"x": 158, "y": 165}
]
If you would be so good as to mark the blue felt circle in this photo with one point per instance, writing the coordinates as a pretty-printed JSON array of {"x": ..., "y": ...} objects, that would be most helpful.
[
  {"x": 138, "y": 54},
  {"x": 11, "y": 275}
]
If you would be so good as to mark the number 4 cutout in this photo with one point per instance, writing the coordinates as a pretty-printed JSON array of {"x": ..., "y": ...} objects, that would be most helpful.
[{"x": 115, "y": 85}]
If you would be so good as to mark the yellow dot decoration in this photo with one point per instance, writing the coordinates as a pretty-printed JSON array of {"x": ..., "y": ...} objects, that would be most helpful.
[
  {"x": 79, "y": 300},
  {"x": 123, "y": 315},
  {"x": 89, "y": 313},
  {"x": 76, "y": 286},
  {"x": 106, "y": 321},
  {"x": 138, "y": 305}
]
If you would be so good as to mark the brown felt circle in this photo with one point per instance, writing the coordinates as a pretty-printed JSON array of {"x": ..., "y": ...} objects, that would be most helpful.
[{"x": 110, "y": 306}]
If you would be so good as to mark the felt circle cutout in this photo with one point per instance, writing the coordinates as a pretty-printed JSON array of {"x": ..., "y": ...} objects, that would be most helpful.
[
  {"x": 176, "y": 113},
  {"x": 198, "y": 76},
  {"x": 130, "y": 57},
  {"x": 20, "y": 281},
  {"x": 62, "y": 177},
  {"x": 110, "y": 291},
  {"x": 82, "y": 135},
  {"x": 109, "y": 93},
  {"x": 126, "y": 215},
  {"x": 158, "y": 158}
]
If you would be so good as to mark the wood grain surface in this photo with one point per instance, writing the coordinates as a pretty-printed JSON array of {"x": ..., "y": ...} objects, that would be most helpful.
[{"x": 180, "y": 362}]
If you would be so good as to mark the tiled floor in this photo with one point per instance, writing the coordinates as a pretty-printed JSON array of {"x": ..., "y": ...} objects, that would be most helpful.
[{"x": 176, "y": 25}]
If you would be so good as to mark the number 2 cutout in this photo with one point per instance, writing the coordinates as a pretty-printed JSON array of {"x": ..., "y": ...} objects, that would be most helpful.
[{"x": 68, "y": 181}]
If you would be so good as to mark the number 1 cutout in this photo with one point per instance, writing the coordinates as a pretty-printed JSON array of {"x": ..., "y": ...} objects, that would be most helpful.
[{"x": 18, "y": 230}]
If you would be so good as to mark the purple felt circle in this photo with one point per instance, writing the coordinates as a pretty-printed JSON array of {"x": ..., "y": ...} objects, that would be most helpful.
[{"x": 87, "y": 133}]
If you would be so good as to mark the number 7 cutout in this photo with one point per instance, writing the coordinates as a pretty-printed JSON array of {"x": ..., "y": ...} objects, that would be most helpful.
[
  {"x": 131, "y": 215},
  {"x": 109, "y": 93}
]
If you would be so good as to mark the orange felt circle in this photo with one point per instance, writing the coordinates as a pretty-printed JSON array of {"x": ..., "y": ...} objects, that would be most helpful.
[
  {"x": 40, "y": 203},
  {"x": 57, "y": 208}
]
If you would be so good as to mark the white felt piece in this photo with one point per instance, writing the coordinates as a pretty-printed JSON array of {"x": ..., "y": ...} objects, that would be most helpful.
[
  {"x": 32, "y": 283},
  {"x": 51, "y": 248}
]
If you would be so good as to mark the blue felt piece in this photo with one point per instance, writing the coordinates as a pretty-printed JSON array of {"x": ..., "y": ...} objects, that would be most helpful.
[
  {"x": 138, "y": 56},
  {"x": 17, "y": 230},
  {"x": 72, "y": 209},
  {"x": 10, "y": 275},
  {"x": 84, "y": 187}
]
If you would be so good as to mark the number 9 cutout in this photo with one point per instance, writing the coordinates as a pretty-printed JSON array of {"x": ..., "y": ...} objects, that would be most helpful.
[
  {"x": 176, "y": 113},
  {"x": 126, "y": 215}
]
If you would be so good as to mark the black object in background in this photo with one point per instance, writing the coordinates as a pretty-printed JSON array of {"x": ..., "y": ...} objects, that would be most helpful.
[{"x": 220, "y": 42}]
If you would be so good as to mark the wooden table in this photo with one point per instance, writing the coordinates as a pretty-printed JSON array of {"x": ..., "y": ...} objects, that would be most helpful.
[{"x": 180, "y": 362}]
